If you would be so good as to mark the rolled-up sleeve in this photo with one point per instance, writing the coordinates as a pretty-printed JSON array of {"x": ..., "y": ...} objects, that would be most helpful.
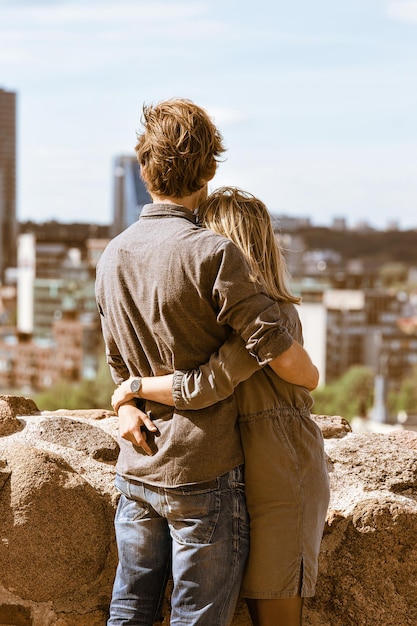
[{"x": 216, "y": 379}]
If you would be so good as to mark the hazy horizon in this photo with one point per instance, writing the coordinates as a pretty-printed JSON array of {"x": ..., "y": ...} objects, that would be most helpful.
[{"x": 316, "y": 102}]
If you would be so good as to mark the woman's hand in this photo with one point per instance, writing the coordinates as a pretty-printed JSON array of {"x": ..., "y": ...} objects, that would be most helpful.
[
  {"x": 133, "y": 424},
  {"x": 122, "y": 394}
]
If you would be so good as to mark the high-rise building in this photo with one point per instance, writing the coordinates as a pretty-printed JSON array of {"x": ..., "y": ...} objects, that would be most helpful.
[
  {"x": 8, "y": 225},
  {"x": 130, "y": 193}
]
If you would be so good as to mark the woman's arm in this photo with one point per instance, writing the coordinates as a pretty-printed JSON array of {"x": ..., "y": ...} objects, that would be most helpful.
[
  {"x": 216, "y": 380},
  {"x": 198, "y": 388}
]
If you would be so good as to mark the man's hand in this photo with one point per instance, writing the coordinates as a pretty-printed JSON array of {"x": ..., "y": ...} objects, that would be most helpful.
[{"x": 133, "y": 424}]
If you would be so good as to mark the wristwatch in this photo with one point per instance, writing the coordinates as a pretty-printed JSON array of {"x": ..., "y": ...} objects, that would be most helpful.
[{"x": 135, "y": 386}]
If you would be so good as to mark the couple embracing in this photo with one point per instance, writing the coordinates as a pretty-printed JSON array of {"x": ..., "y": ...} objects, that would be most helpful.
[{"x": 221, "y": 469}]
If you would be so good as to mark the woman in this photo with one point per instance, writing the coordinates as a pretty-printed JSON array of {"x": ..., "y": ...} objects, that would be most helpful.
[{"x": 287, "y": 488}]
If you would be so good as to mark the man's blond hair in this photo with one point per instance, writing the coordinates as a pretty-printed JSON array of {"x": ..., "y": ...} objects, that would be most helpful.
[
  {"x": 178, "y": 149},
  {"x": 244, "y": 219}
]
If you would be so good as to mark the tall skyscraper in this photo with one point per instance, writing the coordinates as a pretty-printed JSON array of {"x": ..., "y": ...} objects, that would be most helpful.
[
  {"x": 130, "y": 193},
  {"x": 8, "y": 225}
]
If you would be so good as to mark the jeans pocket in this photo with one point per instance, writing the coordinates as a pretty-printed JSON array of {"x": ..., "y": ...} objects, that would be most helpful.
[
  {"x": 129, "y": 510},
  {"x": 193, "y": 517}
]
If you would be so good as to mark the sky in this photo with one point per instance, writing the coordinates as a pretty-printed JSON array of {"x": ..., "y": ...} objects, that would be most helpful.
[{"x": 316, "y": 100}]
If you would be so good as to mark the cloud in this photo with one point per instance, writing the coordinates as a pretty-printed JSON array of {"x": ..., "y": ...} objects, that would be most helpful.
[
  {"x": 227, "y": 117},
  {"x": 405, "y": 11},
  {"x": 93, "y": 12},
  {"x": 86, "y": 37}
]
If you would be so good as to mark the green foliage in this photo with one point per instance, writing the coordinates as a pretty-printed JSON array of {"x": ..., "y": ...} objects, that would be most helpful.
[
  {"x": 406, "y": 398},
  {"x": 393, "y": 274},
  {"x": 88, "y": 394},
  {"x": 349, "y": 396},
  {"x": 326, "y": 400},
  {"x": 352, "y": 395}
]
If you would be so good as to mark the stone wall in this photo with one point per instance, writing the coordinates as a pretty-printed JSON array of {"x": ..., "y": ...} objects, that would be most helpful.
[{"x": 57, "y": 502}]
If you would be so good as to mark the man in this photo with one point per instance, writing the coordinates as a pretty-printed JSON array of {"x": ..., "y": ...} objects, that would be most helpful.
[{"x": 169, "y": 294}]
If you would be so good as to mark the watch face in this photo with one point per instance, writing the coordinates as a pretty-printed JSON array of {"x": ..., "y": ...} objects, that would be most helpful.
[{"x": 135, "y": 385}]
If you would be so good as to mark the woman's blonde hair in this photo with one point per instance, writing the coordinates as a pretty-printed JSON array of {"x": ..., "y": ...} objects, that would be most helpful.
[
  {"x": 239, "y": 216},
  {"x": 178, "y": 148}
]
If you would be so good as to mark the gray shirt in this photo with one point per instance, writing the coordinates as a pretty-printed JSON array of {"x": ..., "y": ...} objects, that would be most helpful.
[{"x": 169, "y": 293}]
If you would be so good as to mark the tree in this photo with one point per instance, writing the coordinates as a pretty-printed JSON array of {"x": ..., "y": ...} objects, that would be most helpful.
[
  {"x": 394, "y": 274},
  {"x": 406, "y": 398},
  {"x": 349, "y": 396}
]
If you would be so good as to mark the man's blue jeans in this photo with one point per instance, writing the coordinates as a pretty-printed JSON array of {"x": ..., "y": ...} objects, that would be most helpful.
[{"x": 201, "y": 530}]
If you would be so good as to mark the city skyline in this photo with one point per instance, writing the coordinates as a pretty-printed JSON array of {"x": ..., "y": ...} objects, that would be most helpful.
[{"x": 316, "y": 102}]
